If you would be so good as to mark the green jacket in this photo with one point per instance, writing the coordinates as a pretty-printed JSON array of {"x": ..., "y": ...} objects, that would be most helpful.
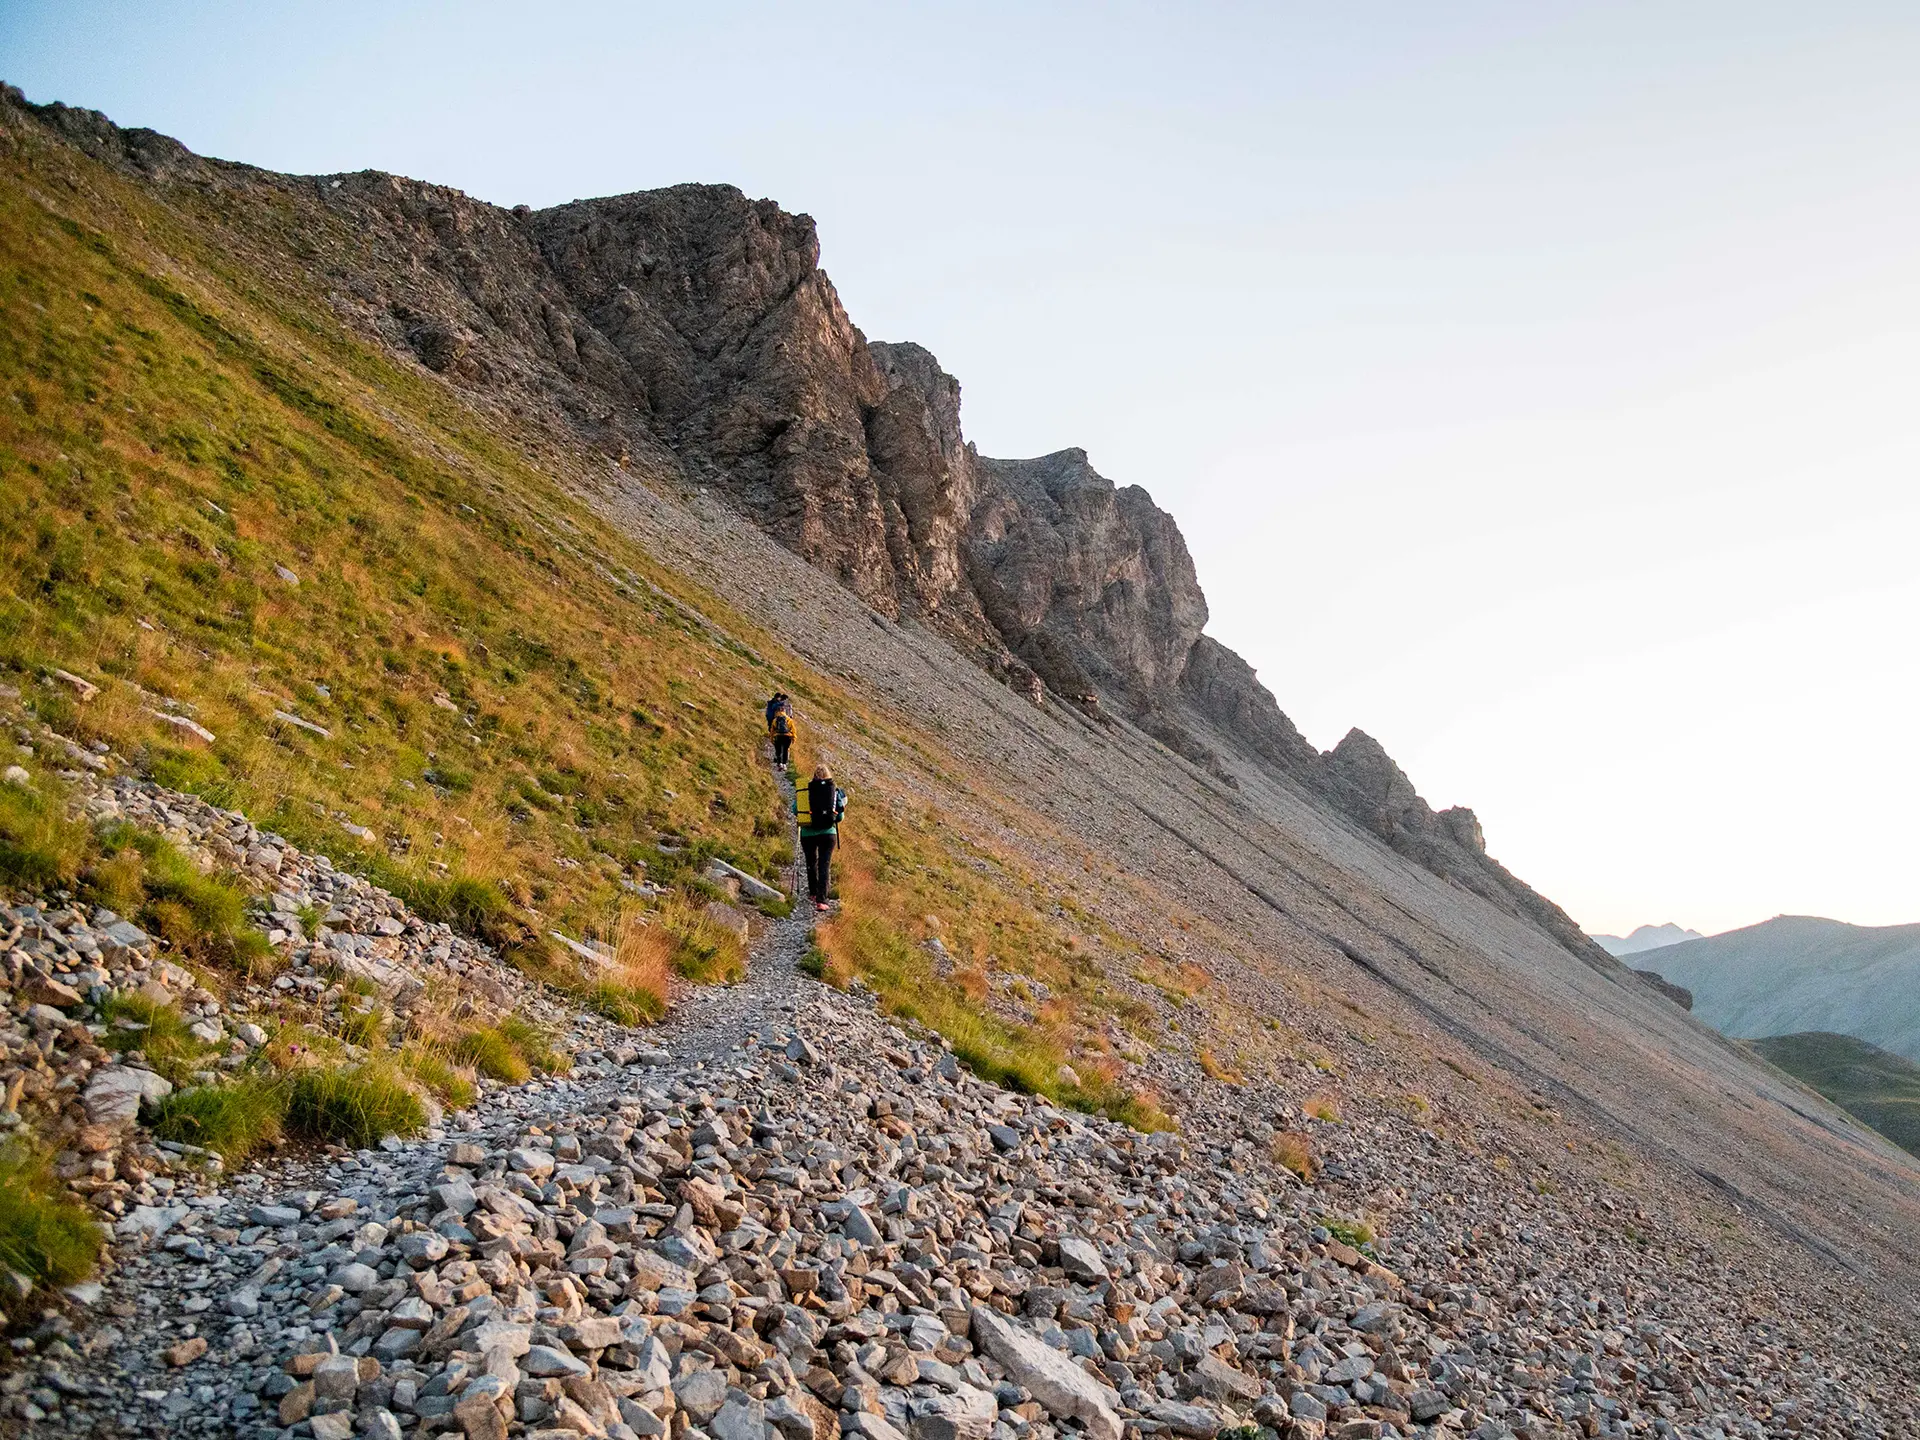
[{"x": 807, "y": 823}]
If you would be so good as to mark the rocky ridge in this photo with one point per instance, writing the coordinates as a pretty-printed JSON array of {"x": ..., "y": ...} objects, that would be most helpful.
[{"x": 690, "y": 334}]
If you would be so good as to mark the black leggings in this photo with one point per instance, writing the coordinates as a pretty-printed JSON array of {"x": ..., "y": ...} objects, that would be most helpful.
[
  {"x": 819, "y": 852},
  {"x": 781, "y": 745}
]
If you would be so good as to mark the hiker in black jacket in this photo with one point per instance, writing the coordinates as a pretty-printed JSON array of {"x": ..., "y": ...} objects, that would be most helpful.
[{"x": 819, "y": 807}]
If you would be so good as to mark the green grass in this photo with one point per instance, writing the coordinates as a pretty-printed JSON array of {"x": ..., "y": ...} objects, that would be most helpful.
[
  {"x": 624, "y": 1004},
  {"x": 1877, "y": 1087},
  {"x": 1020, "y": 1057},
  {"x": 1356, "y": 1233},
  {"x": 493, "y": 1055},
  {"x": 511, "y": 1050},
  {"x": 437, "y": 1072},
  {"x": 365, "y": 1028},
  {"x": 203, "y": 917},
  {"x": 535, "y": 1044},
  {"x": 40, "y": 848},
  {"x": 46, "y": 1234},
  {"x": 356, "y": 1107},
  {"x": 703, "y": 951},
  {"x": 235, "y": 1120}
]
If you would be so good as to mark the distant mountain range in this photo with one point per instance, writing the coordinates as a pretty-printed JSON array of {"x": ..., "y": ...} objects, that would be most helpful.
[
  {"x": 1647, "y": 937},
  {"x": 1797, "y": 973}
]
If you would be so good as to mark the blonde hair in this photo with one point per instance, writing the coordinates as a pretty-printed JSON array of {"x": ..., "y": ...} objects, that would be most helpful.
[{"x": 821, "y": 772}]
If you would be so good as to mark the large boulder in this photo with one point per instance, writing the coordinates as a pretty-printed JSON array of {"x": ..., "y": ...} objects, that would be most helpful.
[{"x": 1062, "y": 1387}]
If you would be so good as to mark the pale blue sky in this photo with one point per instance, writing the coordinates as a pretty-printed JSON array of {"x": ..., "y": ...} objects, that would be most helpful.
[{"x": 1535, "y": 383}]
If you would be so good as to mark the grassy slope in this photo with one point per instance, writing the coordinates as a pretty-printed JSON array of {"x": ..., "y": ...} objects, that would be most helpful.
[
  {"x": 506, "y": 696},
  {"x": 510, "y": 696},
  {"x": 1879, "y": 1088}
]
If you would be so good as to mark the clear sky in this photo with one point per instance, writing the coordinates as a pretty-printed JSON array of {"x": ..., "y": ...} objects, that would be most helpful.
[{"x": 1536, "y": 384}]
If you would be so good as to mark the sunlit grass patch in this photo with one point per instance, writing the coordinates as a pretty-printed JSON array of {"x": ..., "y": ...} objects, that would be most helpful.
[
  {"x": 535, "y": 1044},
  {"x": 704, "y": 951},
  {"x": 493, "y": 1055},
  {"x": 203, "y": 917},
  {"x": 40, "y": 848},
  {"x": 46, "y": 1234},
  {"x": 356, "y": 1107},
  {"x": 1321, "y": 1107},
  {"x": 429, "y": 1065},
  {"x": 1294, "y": 1151},
  {"x": 235, "y": 1120}
]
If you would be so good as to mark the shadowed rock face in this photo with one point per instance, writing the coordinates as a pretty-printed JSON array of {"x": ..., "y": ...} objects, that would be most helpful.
[{"x": 689, "y": 333}]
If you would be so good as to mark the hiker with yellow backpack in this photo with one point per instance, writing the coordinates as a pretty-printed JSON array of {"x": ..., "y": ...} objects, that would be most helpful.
[
  {"x": 780, "y": 728},
  {"x": 818, "y": 807}
]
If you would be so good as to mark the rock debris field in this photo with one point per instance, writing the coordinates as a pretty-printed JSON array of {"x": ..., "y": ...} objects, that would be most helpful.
[{"x": 782, "y": 1217}]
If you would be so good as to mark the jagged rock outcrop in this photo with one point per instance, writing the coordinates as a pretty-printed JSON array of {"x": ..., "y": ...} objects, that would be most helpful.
[
  {"x": 1090, "y": 583},
  {"x": 690, "y": 334}
]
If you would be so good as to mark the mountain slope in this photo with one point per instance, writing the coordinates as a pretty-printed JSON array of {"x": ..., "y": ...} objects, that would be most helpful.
[
  {"x": 688, "y": 335},
  {"x": 1799, "y": 972},
  {"x": 1881, "y": 1088},
  {"x": 518, "y": 462}
]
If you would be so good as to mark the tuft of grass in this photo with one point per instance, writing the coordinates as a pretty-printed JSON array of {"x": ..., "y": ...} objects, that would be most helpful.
[
  {"x": 704, "y": 952},
  {"x": 204, "y": 917},
  {"x": 366, "y": 1028},
  {"x": 1321, "y": 1106},
  {"x": 1294, "y": 1151},
  {"x": 1356, "y": 1233},
  {"x": 535, "y": 1045},
  {"x": 433, "y": 1069},
  {"x": 40, "y": 848},
  {"x": 235, "y": 1120},
  {"x": 493, "y": 1055},
  {"x": 1216, "y": 1069},
  {"x": 46, "y": 1234},
  {"x": 623, "y": 1004},
  {"x": 115, "y": 881},
  {"x": 637, "y": 986},
  {"x": 356, "y": 1107},
  {"x": 820, "y": 965}
]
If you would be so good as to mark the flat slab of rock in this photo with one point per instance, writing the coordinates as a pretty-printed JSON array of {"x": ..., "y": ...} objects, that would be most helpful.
[
  {"x": 113, "y": 1095},
  {"x": 1061, "y": 1386}
]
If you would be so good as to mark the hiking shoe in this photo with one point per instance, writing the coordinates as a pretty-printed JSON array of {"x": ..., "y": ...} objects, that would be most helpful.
[{"x": 820, "y": 905}]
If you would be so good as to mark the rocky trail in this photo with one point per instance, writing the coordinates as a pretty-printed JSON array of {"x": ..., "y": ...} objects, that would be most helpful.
[{"x": 779, "y": 1216}]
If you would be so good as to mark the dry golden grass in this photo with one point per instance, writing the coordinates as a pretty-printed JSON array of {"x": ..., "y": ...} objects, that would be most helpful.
[
  {"x": 643, "y": 956},
  {"x": 1294, "y": 1151},
  {"x": 1321, "y": 1107},
  {"x": 1216, "y": 1069}
]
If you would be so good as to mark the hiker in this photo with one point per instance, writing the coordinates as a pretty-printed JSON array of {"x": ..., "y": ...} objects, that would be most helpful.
[
  {"x": 780, "y": 730},
  {"x": 818, "y": 806},
  {"x": 780, "y": 701}
]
